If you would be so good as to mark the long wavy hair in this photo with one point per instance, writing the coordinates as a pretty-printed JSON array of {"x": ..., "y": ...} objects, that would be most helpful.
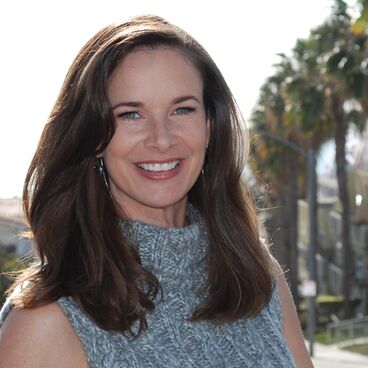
[{"x": 74, "y": 221}]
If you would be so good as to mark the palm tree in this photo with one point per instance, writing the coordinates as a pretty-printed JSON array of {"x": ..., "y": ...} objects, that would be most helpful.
[
  {"x": 278, "y": 164},
  {"x": 344, "y": 85},
  {"x": 313, "y": 96}
]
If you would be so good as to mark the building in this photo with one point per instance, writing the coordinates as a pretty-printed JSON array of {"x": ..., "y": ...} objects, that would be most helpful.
[
  {"x": 12, "y": 226},
  {"x": 329, "y": 248}
]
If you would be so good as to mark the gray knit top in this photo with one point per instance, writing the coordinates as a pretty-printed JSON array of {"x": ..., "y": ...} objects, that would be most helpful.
[{"x": 177, "y": 256}]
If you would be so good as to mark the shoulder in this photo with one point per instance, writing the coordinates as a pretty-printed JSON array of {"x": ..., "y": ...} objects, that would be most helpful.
[
  {"x": 289, "y": 316},
  {"x": 43, "y": 337},
  {"x": 291, "y": 326}
]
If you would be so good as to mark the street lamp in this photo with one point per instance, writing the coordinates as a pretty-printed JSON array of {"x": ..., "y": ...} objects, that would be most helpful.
[{"x": 309, "y": 156}]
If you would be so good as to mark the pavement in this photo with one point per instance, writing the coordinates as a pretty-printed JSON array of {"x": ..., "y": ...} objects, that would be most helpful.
[{"x": 331, "y": 356}]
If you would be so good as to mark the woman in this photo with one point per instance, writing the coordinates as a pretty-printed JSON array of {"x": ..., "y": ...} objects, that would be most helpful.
[{"x": 149, "y": 250}]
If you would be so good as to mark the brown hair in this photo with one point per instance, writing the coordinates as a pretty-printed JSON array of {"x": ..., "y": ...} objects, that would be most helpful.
[{"x": 75, "y": 223}]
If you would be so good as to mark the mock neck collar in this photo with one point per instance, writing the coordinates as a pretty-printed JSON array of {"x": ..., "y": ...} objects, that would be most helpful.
[{"x": 171, "y": 251}]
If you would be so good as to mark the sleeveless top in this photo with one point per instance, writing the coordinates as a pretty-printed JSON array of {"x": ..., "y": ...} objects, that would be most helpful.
[{"x": 177, "y": 256}]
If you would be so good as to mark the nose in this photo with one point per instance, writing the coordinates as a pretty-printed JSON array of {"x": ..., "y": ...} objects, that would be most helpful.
[{"x": 161, "y": 136}]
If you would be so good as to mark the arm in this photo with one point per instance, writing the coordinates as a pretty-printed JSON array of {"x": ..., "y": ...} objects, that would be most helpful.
[
  {"x": 292, "y": 331},
  {"x": 38, "y": 338}
]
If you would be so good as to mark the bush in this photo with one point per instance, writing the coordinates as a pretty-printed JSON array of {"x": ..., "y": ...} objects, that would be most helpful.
[
  {"x": 9, "y": 262},
  {"x": 358, "y": 348},
  {"x": 326, "y": 305}
]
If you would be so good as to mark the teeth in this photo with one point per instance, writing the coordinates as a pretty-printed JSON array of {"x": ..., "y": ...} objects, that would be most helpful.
[{"x": 159, "y": 167}]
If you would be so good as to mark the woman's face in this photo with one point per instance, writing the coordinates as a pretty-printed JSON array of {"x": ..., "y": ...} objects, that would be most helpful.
[{"x": 158, "y": 149}]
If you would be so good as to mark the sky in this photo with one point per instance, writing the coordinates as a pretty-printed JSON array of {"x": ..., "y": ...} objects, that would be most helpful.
[{"x": 41, "y": 38}]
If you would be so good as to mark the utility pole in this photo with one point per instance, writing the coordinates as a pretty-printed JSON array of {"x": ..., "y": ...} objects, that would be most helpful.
[{"x": 313, "y": 238}]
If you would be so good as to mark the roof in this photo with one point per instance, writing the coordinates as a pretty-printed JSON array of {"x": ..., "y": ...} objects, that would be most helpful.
[{"x": 11, "y": 210}]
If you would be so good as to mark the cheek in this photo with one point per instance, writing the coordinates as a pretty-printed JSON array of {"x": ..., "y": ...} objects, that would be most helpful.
[
  {"x": 200, "y": 138},
  {"x": 120, "y": 143},
  {"x": 197, "y": 133}
]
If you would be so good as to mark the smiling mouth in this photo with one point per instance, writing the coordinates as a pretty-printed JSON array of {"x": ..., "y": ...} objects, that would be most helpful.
[{"x": 156, "y": 167}]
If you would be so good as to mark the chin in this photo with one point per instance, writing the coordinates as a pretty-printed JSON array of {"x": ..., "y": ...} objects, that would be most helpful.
[
  {"x": 163, "y": 203},
  {"x": 163, "y": 200}
]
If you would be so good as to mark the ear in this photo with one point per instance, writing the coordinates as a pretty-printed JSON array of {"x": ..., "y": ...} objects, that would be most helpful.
[{"x": 208, "y": 131}]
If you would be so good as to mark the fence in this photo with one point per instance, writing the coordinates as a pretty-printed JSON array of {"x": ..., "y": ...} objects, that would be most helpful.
[{"x": 348, "y": 329}]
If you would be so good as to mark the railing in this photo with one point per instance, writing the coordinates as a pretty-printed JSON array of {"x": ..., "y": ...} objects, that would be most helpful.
[
  {"x": 347, "y": 330},
  {"x": 359, "y": 237}
]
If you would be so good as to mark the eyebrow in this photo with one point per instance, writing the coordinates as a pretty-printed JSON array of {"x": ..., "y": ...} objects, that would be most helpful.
[{"x": 140, "y": 104}]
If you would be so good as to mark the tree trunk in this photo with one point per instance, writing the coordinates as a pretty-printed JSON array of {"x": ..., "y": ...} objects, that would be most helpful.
[
  {"x": 347, "y": 256},
  {"x": 284, "y": 212},
  {"x": 284, "y": 223}
]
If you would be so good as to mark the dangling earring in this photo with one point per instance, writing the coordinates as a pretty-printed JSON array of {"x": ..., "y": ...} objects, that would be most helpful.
[{"x": 102, "y": 171}]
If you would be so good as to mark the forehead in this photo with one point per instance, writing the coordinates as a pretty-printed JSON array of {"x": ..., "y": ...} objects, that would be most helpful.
[{"x": 159, "y": 73}]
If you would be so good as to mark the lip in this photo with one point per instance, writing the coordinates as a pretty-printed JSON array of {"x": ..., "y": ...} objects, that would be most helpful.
[
  {"x": 158, "y": 161},
  {"x": 159, "y": 175}
]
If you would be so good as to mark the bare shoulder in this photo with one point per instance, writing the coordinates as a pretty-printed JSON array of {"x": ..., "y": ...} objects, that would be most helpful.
[
  {"x": 39, "y": 337},
  {"x": 292, "y": 331}
]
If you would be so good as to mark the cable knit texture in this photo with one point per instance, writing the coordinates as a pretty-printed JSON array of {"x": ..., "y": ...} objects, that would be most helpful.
[{"x": 177, "y": 256}]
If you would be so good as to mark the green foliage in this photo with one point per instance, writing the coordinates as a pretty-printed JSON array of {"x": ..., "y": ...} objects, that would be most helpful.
[
  {"x": 358, "y": 348},
  {"x": 295, "y": 101},
  {"x": 360, "y": 26},
  {"x": 327, "y": 305},
  {"x": 321, "y": 336},
  {"x": 9, "y": 262}
]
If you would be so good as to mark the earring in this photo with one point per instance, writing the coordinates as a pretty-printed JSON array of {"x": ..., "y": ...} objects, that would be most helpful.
[{"x": 102, "y": 171}]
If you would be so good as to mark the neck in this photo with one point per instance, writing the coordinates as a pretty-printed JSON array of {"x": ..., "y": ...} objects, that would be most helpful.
[{"x": 170, "y": 216}]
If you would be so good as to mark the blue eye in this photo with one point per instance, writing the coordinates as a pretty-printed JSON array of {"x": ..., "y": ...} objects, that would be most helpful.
[
  {"x": 183, "y": 110},
  {"x": 129, "y": 115}
]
